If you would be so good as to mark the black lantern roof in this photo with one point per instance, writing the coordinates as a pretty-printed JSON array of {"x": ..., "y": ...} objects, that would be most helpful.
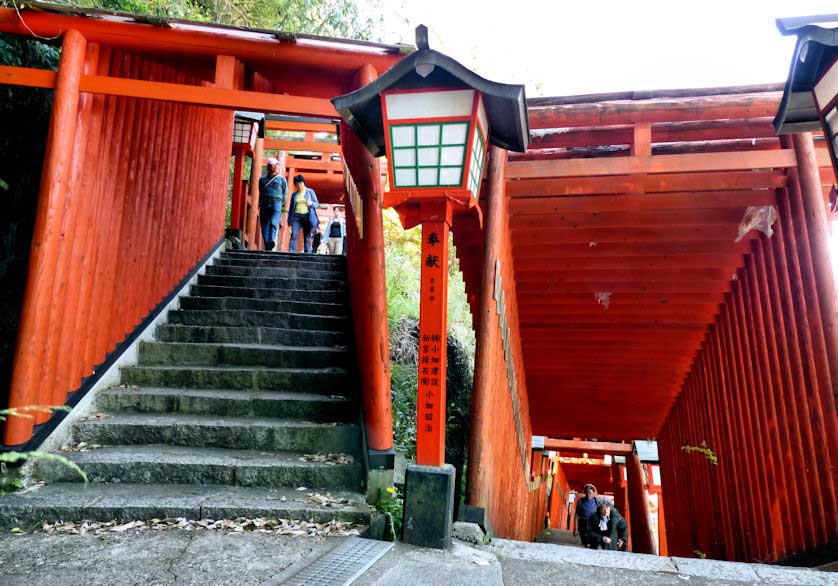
[
  {"x": 505, "y": 104},
  {"x": 816, "y": 49}
]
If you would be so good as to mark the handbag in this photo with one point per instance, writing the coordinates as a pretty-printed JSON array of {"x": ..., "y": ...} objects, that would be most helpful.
[{"x": 313, "y": 220}]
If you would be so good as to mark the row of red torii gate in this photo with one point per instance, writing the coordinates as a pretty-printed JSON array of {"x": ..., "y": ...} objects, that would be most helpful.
[{"x": 638, "y": 265}]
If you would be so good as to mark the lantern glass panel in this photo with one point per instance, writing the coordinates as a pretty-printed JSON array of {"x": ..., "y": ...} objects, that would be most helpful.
[
  {"x": 450, "y": 175},
  {"x": 452, "y": 155},
  {"x": 405, "y": 177},
  {"x": 478, "y": 156},
  {"x": 429, "y": 157},
  {"x": 429, "y": 176},
  {"x": 404, "y": 157},
  {"x": 428, "y": 134},
  {"x": 242, "y": 132},
  {"x": 404, "y": 136},
  {"x": 455, "y": 133},
  {"x": 436, "y": 152}
]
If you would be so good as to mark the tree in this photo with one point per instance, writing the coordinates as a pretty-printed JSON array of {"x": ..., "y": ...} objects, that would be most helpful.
[{"x": 331, "y": 18}]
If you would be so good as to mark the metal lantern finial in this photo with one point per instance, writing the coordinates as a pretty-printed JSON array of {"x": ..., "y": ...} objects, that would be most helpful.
[{"x": 422, "y": 38}]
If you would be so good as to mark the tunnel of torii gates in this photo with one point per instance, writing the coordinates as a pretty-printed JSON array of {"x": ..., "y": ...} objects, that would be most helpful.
[{"x": 630, "y": 309}]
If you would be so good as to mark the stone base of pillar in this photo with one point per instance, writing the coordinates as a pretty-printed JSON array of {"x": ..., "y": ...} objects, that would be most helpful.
[
  {"x": 380, "y": 472},
  {"x": 429, "y": 506}
]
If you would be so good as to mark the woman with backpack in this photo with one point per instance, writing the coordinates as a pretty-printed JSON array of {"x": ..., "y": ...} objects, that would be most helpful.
[{"x": 302, "y": 214}]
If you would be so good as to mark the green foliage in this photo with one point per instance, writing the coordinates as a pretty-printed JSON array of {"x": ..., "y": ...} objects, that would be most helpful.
[
  {"x": 10, "y": 485},
  {"x": 28, "y": 412},
  {"x": 700, "y": 554},
  {"x": 703, "y": 449},
  {"x": 13, "y": 457},
  {"x": 331, "y": 18},
  {"x": 391, "y": 503}
]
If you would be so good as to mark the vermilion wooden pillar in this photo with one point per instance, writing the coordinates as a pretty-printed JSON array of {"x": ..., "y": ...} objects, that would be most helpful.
[
  {"x": 253, "y": 211},
  {"x": 26, "y": 384},
  {"x": 368, "y": 286},
  {"x": 487, "y": 333},
  {"x": 236, "y": 204},
  {"x": 433, "y": 320},
  {"x": 818, "y": 228},
  {"x": 641, "y": 531}
]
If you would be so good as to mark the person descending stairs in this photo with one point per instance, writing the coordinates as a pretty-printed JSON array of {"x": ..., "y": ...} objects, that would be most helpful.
[{"x": 244, "y": 405}]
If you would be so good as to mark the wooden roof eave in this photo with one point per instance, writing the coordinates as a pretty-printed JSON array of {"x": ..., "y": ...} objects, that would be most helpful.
[{"x": 200, "y": 40}]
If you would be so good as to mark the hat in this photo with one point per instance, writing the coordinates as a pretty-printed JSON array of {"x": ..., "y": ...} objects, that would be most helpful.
[
  {"x": 273, "y": 161},
  {"x": 587, "y": 486}
]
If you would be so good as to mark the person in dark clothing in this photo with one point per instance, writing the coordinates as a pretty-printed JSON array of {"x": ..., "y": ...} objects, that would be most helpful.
[
  {"x": 336, "y": 232},
  {"x": 607, "y": 529},
  {"x": 273, "y": 189},
  {"x": 585, "y": 509}
]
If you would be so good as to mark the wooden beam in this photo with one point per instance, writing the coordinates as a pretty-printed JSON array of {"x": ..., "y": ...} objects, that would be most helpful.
[
  {"x": 675, "y": 148},
  {"x": 615, "y": 287},
  {"x": 27, "y": 77},
  {"x": 522, "y": 206},
  {"x": 727, "y": 261},
  {"x": 208, "y": 96},
  {"x": 759, "y": 105},
  {"x": 175, "y": 92},
  {"x": 660, "y": 183},
  {"x": 688, "y": 163},
  {"x": 593, "y": 236},
  {"x": 313, "y": 165},
  {"x": 648, "y": 217},
  {"x": 300, "y": 126},
  {"x": 666, "y": 132},
  {"x": 303, "y": 146},
  {"x": 642, "y": 299},
  {"x": 679, "y": 247}
]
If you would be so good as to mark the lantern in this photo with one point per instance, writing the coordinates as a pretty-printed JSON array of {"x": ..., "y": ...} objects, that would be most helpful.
[
  {"x": 434, "y": 120},
  {"x": 436, "y": 138},
  {"x": 246, "y": 129},
  {"x": 810, "y": 99}
]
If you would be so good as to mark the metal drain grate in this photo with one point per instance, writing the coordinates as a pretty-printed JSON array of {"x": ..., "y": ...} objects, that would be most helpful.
[{"x": 341, "y": 565}]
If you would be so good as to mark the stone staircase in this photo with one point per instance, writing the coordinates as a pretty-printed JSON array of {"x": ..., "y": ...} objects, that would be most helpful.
[{"x": 223, "y": 414}]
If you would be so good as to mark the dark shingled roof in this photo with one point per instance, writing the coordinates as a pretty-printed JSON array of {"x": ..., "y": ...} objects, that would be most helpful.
[
  {"x": 815, "y": 50},
  {"x": 506, "y": 104}
]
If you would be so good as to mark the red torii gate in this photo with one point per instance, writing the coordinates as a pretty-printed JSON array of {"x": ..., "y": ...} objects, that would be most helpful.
[{"x": 167, "y": 127}]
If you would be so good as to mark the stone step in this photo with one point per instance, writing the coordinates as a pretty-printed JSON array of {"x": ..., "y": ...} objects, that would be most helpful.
[
  {"x": 249, "y": 335},
  {"x": 229, "y": 403},
  {"x": 301, "y": 295},
  {"x": 178, "y": 353},
  {"x": 130, "y": 502},
  {"x": 267, "y": 319},
  {"x": 301, "y": 263},
  {"x": 274, "y": 283},
  {"x": 280, "y": 272},
  {"x": 203, "y": 431},
  {"x": 284, "y": 257},
  {"x": 329, "y": 381},
  {"x": 163, "y": 464},
  {"x": 234, "y": 303}
]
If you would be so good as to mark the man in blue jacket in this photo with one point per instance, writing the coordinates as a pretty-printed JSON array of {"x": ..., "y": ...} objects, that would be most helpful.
[{"x": 273, "y": 189}]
